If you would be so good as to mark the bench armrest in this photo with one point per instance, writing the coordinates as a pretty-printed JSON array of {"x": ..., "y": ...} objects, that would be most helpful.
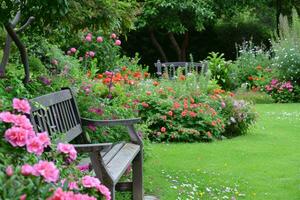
[
  {"x": 134, "y": 137},
  {"x": 126, "y": 122},
  {"x": 88, "y": 148}
]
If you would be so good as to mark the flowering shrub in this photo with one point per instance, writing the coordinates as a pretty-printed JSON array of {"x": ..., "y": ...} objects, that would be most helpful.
[
  {"x": 282, "y": 92},
  {"x": 38, "y": 173}
]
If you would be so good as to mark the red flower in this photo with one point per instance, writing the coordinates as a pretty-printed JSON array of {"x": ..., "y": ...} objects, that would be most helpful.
[
  {"x": 176, "y": 105},
  {"x": 148, "y": 93},
  {"x": 209, "y": 134},
  {"x": 145, "y": 105},
  {"x": 213, "y": 123},
  {"x": 163, "y": 129},
  {"x": 124, "y": 68},
  {"x": 183, "y": 114},
  {"x": 192, "y": 114},
  {"x": 146, "y": 74},
  {"x": 170, "y": 113},
  {"x": 155, "y": 83}
]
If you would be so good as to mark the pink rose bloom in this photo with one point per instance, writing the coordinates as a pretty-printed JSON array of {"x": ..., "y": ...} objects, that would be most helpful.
[
  {"x": 113, "y": 36},
  {"x": 105, "y": 191},
  {"x": 34, "y": 145},
  {"x": 9, "y": 170},
  {"x": 67, "y": 149},
  {"x": 27, "y": 170},
  {"x": 21, "y": 105},
  {"x": 69, "y": 52},
  {"x": 99, "y": 39},
  {"x": 17, "y": 136},
  {"x": 23, "y": 197},
  {"x": 90, "y": 182},
  {"x": 73, "y": 186},
  {"x": 44, "y": 138},
  {"x": 118, "y": 42},
  {"x": 7, "y": 117},
  {"x": 88, "y": 38},
  {"x": 83, "y": 168},
  {"x": 92, "y": 54},
  {"x": 48, "y": 170},
  {"x": 22, "y": 121},
  {"x": 73, "y": 50}
]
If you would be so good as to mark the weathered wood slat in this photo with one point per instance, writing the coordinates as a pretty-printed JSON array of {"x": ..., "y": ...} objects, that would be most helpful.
[
  {"x": 69, "y": 120},
  {"x": 64, "y": 116},
  {"x": 69, "y": 106},
  {"x": 50, "y": 99},
  {"x": 118, "y": 165},
  {"x": 73, "y": 133},
  {"x": 112, "y": 152}
]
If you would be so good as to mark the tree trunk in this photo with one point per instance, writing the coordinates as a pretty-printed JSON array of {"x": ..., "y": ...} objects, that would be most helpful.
[
  {"x": 184, "y": 46},
  {"x": 22, "y": 49},
  {"x": 278, "y": 12},
  {"x": 6, "y": 49},
  {"x": 175, "y": 45},
  {"x": 158, "y": 46}
]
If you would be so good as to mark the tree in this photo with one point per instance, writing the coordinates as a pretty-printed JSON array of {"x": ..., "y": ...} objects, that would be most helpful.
[{"x": 174, "y": 18}]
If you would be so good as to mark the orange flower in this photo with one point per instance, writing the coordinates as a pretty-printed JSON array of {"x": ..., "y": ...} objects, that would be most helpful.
[
  {"x": 88, "y": 73},
  {"x": 259, "y": 67},
  {"x": 99, "y": 76},
  {"x": 176, "y": 105},
  {"x": 137, "y": 75},
  {"x": 182, "y": 77},
  {"x": 155, "y": 83},
  {"x": 250, "y": 78},
  {"x": 148, "y": 93},
  {"x": 145, "y": 105},
  {"x": 160, "y": 90},
  {"x": 231, "y": 94},
  {"x": 124, "y": 68},
  {"x": 146, "y": 74}
]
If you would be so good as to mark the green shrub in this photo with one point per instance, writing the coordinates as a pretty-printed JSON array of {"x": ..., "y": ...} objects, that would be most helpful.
[{"x": 256, "y": 97}]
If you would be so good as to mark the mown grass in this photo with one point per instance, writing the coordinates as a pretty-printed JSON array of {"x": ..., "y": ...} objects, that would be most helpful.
[{"x": 264, "y": 164}]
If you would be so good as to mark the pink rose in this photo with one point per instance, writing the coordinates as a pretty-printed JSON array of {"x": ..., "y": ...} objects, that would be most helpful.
[
  {"x": 34, "y": 145},
  {"x": 163, "y": 129},
  {"x": 9, "y": 170},
  {"x": 23, "y": 197},
  {"x": 118, "y": 42},
  {"x": 73, "y": 186},
  {"x": 7, "y": 117},
  {"x": 90, "y": 182},
  {"x": 105, "y": 191},
  {"x": 21, "y": 105},
  {"x": 67, "y": 149},
  {"x": 88, "y": 38},
  {"x": 113, "y": 36},
  {"x": 73, "y": 50},
  {"x": 27, "y": 170},
  {"x": 92, "y": 54},
  {"x": 44, "y": 139},
  {"x": 48, "y": 170},
  {"x": 17, "y": 136},
  {"x": 22, "y": 121},
  {"x": 83, "y": 167},
  {"x": 99, "y": 39}
]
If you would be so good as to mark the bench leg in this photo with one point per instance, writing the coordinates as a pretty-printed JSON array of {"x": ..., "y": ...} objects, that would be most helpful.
[
  {"x": 137, "y": 177},
  {"x": 112, "y": 191}
]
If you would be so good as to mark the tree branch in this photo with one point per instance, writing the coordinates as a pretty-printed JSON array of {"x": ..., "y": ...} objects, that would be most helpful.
[
  {"x": 175, "y": 45},
  {"x": 157, "y": 45},
  {"x": 21, "y": 48},
  {"x": 29, "y": 21}
]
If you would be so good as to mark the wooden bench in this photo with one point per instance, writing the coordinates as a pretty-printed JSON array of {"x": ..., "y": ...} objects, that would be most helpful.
[
  {"x": 57, "y": 113},
  {"x": 188, "y": 67}
]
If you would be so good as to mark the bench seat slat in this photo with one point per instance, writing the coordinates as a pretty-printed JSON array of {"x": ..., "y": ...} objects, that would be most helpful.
[{"x": 118, "y": 165}]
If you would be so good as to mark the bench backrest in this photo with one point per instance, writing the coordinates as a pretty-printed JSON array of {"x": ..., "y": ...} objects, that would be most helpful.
[
  {"x": 56, "y": 113},
  {"x": 171, "y": 67}
]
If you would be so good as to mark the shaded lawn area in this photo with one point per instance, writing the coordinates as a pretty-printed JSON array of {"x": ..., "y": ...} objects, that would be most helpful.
[{"x": 264, "y": 164}]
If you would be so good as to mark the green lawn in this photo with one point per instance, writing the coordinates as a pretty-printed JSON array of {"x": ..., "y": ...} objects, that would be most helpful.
[{"x": 264, "y": 164}]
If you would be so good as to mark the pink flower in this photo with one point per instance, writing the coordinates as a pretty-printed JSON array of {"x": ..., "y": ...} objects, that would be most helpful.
[
  {"x": 90, "y": 182},
  {"x": 48, "y": 170},
  {"x": 274, "y": 81},
  {"x": 59, "y": 194},
  {"x": 69, "y": 52},
  {"x": 80, "y": 58},
  {"x": 54, "y": 62},
  {"x": 44, "y": 139},
  {"x": 9, "y": 170},
  {"x": 34, "y": 145},
  {"x": 21, "y": 105},
  {"x": 23, "y": 197},
  {"x": 83, "y": 168},
  {"x": 73, "y": 186},
  {"x": 88, "y": 38},
  {"x": 113, "y": 36},
  {"x": 23, "y": 122},
  {"x": 99, "y": 39},
  {"x": 92, "y": 54},
  {"x": 163, "y": 129},
  {"x": 7, "y": 117},
  {"x": 223, "y": 104},
  {"x": 17, "y": 136},
  {"x": 73, "y": 50},
  {"x": 27, "y": 170},
  {"x": 67, "y": 149},
  {"x": 118, "y": 42},
  {"x": 105, "y": 191}
]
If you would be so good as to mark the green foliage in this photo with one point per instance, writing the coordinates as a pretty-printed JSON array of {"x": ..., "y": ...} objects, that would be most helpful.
[
  {"x": 253, "y": 97},
  {"x": 286, "y": 49}
]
